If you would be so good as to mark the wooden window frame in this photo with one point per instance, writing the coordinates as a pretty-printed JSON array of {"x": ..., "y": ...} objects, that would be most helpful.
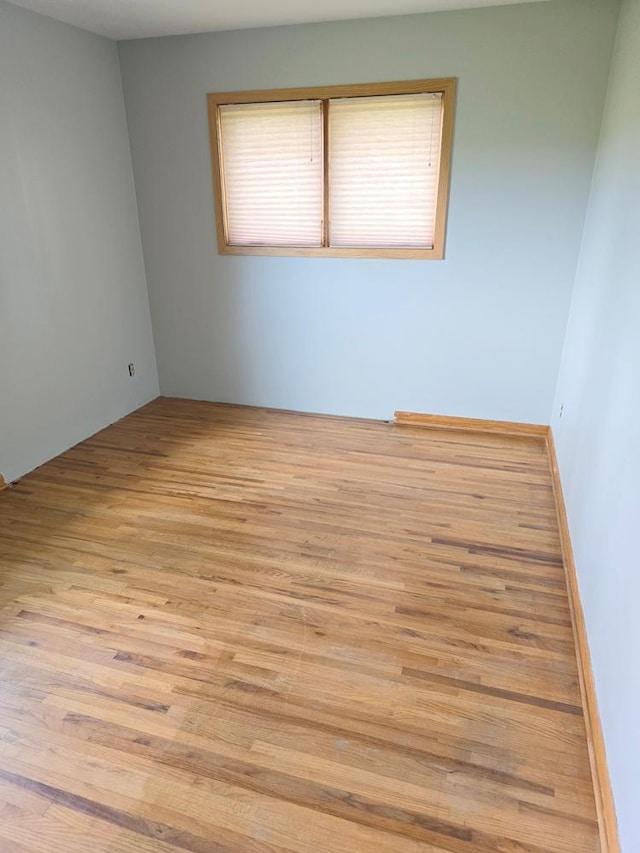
[{"x": 446, "y": 86}]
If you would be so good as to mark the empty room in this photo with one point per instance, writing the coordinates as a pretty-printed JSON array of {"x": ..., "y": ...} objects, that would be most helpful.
[{"x": 319, "y": 426}]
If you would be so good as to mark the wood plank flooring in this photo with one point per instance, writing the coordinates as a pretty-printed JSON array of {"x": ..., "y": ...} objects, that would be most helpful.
[{"x": 232, "y": 629}]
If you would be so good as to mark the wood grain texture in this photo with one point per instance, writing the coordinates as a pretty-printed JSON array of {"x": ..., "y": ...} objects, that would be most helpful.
[
  {"x": 230, "y": 629},
  {"x": 597, "y": 754},
  {"x": 448, "y": 422}
]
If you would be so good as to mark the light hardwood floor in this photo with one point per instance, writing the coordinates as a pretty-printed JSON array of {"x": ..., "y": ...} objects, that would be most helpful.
[{"x": 231, "y": 629}]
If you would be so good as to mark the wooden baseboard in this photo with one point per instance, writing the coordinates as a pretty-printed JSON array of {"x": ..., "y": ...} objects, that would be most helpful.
[
  {"x": 597, "y": 755},
  {"x": 470, "y": 424}
]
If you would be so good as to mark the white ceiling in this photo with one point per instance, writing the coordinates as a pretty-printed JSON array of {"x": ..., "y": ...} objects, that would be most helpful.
[{"x": 127, "y": 19}]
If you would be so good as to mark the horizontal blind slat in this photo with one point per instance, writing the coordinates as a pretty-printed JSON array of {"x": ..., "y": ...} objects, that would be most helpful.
[
  {"x": 273, "y": 173},
  {"x": 384, "y": 165}
]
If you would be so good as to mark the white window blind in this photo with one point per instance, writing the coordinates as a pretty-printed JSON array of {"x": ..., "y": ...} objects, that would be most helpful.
[
  {"x": 272, "y": 155},
  {"x": 384, "y": 161}
]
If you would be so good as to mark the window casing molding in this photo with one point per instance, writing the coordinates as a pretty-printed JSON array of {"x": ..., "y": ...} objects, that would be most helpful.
[{"x": 446, "y": 86}]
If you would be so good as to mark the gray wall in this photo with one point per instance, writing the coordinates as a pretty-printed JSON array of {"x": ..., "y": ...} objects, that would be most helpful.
[
  {"x": 479, "y": 334},
  {"x": 598, "y": 436},
  {"x": 73, "y": 299}
]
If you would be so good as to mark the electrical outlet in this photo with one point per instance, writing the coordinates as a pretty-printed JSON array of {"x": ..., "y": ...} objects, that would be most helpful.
[
  {"x": 561, "y": 409},
  {"x": 132, "y": 369}
]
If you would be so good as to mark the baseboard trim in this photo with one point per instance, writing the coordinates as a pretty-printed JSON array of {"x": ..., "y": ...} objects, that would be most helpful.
[
  {"x": 605, "y": 807},
  {"x": 470, "y": 424}
]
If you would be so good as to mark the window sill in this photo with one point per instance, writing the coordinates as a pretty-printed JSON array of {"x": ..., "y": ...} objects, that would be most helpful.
[{"x": 333, "y": 252}]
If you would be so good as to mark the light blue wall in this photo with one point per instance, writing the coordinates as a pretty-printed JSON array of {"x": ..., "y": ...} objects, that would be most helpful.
[
  {"x": 73, "y": 299},
  {"x": 479, "y": 334},
  {"x": 598, "y": 435}
]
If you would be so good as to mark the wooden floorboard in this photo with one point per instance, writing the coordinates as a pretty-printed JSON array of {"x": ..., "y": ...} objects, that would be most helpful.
[{"x": 234, "y": 629}]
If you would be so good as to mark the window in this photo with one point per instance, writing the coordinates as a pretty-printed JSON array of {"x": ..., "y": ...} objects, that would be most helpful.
[{"x": 343, "y": 171}]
